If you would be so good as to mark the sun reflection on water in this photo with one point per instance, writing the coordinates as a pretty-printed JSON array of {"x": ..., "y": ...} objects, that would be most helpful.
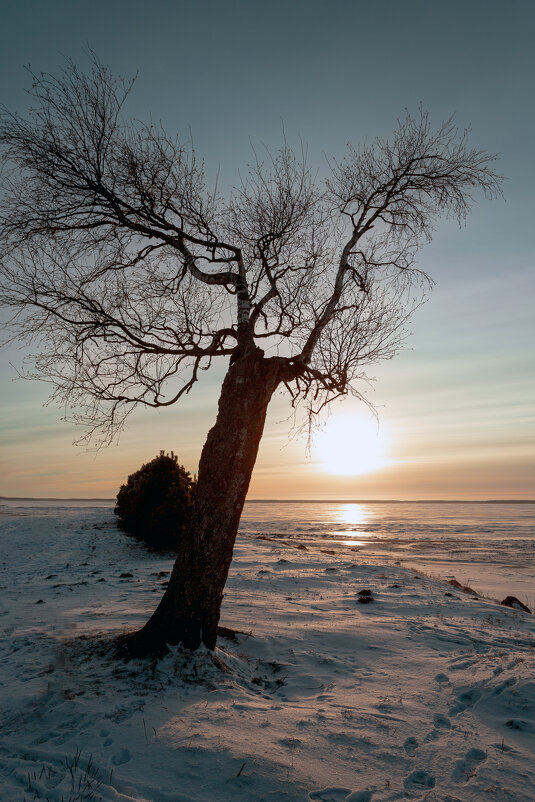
[
  {"x": 354, "y": 514},
  {"x": 352, "y": 542},
  {"x": 355, "y": 517}
]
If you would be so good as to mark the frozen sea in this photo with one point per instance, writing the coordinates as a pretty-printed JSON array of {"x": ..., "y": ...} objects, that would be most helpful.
[
  {"x": 487, "y": 545},
  {"x": 426, "y": 693}
]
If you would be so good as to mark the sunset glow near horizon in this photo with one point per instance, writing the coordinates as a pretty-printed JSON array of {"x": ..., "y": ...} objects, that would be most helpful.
[{"x": 455, "y": 408}]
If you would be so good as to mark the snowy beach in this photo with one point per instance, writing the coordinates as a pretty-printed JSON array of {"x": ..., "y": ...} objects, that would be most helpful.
[{"x": 428, "y": 692}]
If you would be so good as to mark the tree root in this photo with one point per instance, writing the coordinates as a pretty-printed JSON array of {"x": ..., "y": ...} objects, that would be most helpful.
[
  {"x": 141, "y": 645},
  {"x": 231, "y": 634}
]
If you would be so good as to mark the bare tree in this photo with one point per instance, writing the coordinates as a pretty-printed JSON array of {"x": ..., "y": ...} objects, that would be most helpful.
[{"x": 131, "y": 275}]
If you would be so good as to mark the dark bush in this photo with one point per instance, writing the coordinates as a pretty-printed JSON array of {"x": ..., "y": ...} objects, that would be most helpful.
[{"x": 155, "y": 503}]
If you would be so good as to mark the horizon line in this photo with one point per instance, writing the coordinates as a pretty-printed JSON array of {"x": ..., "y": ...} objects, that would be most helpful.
[{"x": 306, "y": 500}]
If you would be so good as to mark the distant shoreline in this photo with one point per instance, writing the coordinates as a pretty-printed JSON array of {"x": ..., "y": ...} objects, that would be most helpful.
[{"x": 312, "y": 501}]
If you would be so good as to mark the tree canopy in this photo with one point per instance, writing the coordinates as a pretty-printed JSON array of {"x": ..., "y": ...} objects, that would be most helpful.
[{"x": 132, "y": 272}]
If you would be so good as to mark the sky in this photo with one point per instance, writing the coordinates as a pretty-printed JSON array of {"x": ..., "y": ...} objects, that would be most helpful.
[{"x": 456, "y": 407}]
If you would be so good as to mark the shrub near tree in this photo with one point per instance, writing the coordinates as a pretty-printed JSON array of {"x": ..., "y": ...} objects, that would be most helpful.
[{"x": 154, "y": 504}]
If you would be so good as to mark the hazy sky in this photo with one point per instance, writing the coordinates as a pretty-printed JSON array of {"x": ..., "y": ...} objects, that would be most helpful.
[{"x": 456, "y": 409}]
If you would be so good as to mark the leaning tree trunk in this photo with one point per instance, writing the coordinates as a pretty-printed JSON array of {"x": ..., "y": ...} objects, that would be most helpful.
[{"x": 189, "y": 610}]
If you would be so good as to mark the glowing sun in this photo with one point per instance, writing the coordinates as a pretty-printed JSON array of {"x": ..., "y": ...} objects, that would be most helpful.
[{"x": 350, "y": 446}]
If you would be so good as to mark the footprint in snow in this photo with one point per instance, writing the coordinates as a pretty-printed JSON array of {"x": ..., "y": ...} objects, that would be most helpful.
[
  {"x": 410, "y": 746},
  {"x": 121, "y": 757},
  {"x": 419, "y": 780},
  {"x": 465, "y": 768},
  {"x": 291, "y": 743},
  {"x": 519, "y": 724},
  {"x": 441, "y": 722},
  {"x": 465, "y": 700}
]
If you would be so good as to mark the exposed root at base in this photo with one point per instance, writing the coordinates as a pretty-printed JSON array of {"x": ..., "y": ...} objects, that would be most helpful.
[
  {"x": 141, "y": 645},
  {"x": 231, "y": 634}
]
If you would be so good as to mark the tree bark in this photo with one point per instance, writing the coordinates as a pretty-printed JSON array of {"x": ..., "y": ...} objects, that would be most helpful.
[{"x": 190, "y": 608}]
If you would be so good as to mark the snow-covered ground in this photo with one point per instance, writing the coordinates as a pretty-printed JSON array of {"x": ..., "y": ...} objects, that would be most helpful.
[{"x": 426, "y": 693}]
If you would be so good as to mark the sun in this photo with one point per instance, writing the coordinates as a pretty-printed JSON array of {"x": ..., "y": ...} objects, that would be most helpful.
[{"x": 350, "y": 446}]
